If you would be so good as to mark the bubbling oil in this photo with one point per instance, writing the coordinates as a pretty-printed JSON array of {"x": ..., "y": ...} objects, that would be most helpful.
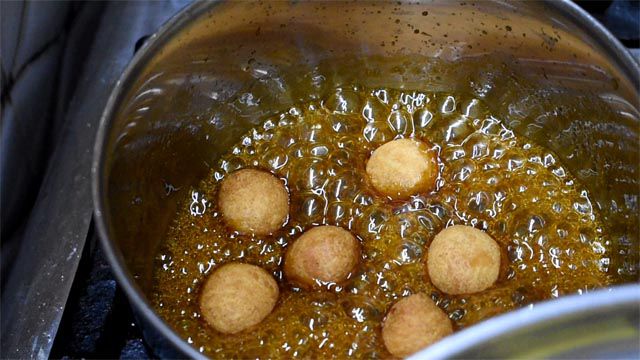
[{"x": 550, "y": 235}]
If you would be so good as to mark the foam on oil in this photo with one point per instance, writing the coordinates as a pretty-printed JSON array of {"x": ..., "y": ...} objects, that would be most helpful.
[{"x": 551, "y": 237}]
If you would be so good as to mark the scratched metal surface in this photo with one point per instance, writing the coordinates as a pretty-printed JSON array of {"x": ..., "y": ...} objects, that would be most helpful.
[{"x": 36, "y": 287}]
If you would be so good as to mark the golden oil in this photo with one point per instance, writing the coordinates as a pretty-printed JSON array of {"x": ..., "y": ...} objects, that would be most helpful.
[{"x": 490, "y": 178}]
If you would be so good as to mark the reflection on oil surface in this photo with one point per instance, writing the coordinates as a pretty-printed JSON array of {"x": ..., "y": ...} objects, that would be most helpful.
[{"x": 550, "y": 232}]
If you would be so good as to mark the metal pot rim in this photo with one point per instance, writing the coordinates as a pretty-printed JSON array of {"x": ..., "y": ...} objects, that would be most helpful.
[
  {"x": 466, "y": 338},
  {"x": 112, "y": 253},
  {"x": 521, "y": 318}
]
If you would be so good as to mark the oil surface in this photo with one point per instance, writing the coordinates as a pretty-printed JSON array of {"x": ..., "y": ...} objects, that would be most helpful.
[{"x": 551, "y": 237}]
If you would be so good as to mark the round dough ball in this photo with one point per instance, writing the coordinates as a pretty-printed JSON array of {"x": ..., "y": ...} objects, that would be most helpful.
[
  {"x": 412, "y": 324},
  {"x": 321, "y": 254},
  {"x": 403, "y": 167},
  {"x": 237, "y": 296},
  {"x": 463, "y": 260},
  {"x": 253, "y": 201}
]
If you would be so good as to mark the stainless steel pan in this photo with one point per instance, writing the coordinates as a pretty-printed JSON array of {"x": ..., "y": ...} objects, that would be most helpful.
[{"x": 158, "y": 131}]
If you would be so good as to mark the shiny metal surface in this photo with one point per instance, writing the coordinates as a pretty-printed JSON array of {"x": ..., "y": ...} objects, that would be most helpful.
[
  {"x": 169, "y": 344},
  {"x": 603, "y": 324},
  {"x": 167, "y": 41},
  {"x": 604, "y": 38}
]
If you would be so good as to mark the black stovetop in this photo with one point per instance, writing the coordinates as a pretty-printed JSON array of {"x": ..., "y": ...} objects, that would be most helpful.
[{"x": 97, "y": 321}]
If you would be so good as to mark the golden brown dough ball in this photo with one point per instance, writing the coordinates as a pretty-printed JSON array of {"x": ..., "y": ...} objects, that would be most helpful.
[
  {"x": 463, "y": 260},
  {"x": 253, "y": 201},
  {"x": 237, "y": 296},
  {"x": 403, "y": 167},
  {"x": 412, "y": 324},
  {"x": 323, "y": 253}
]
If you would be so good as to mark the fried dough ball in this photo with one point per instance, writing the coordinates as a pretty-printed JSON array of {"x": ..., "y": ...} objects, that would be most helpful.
[
  {"x": 412, "y": 324},
  {"x": 253, "y": 201},
  {"x": 403, "y": 167},
  {"x": 237, "y": 296},
  {"x": 463, "y": 260},
  {"x": 323, "y": 253}
]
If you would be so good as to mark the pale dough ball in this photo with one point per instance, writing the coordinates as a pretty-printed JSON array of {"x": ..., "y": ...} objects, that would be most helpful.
[
  {"x": 463, "y": 260},
  {"x": 237, "y": 296},
  {"x": 412, "y": 324},
  {"x": 253, "y": 201},
  {"x": 403, "y": 167},
  {"x": 323, "y": 253}
]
